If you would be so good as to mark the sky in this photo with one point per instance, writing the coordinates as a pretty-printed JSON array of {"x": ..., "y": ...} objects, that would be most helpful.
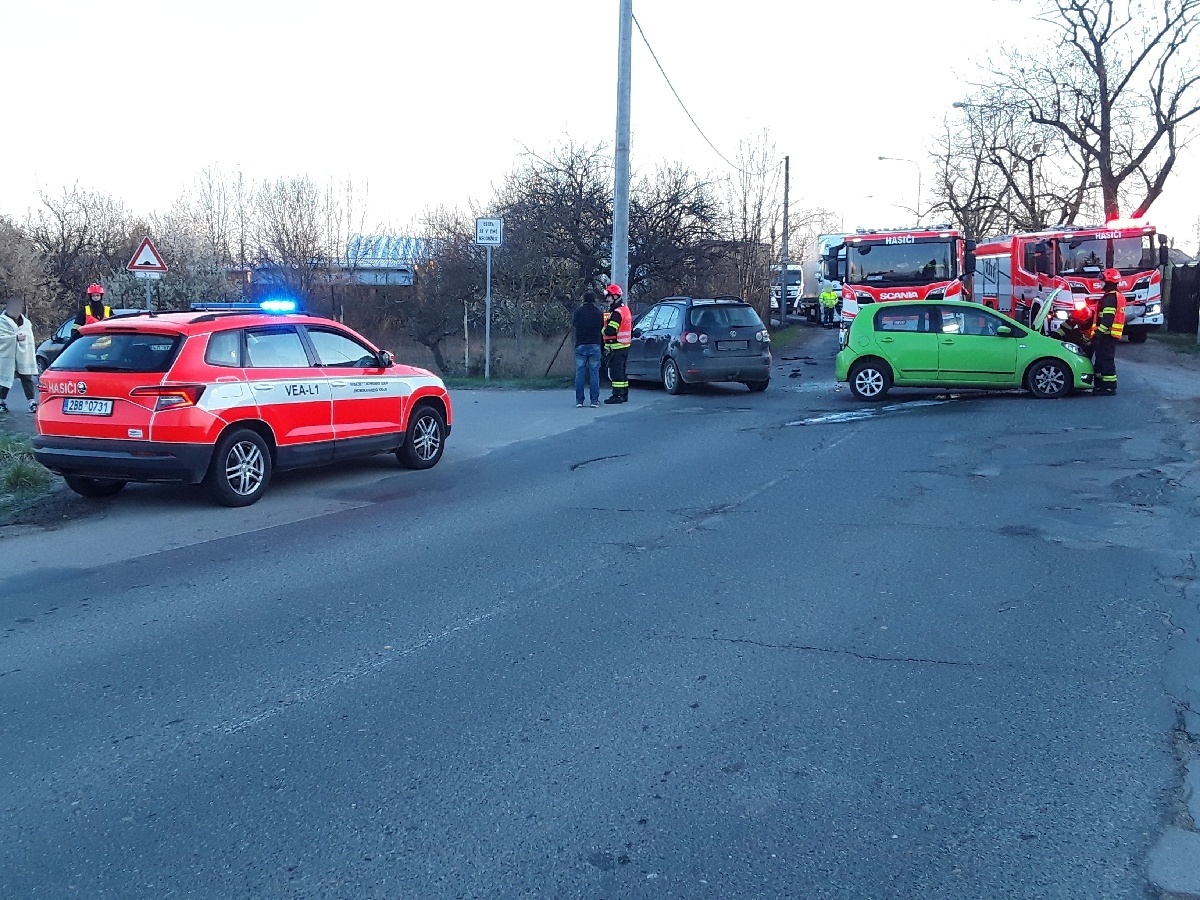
[{"x": 430, "y": 103}]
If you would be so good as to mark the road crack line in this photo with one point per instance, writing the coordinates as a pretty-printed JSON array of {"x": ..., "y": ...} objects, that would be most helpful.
[{"x": 834, "y": 651}]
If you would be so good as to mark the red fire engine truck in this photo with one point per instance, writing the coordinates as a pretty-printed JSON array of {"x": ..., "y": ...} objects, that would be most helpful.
[
  {"x": 1016, "y": 273},
  {"x": 900, "y": 264}
]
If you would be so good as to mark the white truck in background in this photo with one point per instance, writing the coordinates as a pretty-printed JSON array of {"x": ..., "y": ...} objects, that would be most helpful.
[
  {"x": 817, "y": 272},
  {"x": 795, "y": 287}
]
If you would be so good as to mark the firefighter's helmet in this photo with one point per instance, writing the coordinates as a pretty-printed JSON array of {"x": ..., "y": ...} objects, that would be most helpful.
[
  {"x": 1112, "y": 276},
  {"x": 95, "y": 288}
]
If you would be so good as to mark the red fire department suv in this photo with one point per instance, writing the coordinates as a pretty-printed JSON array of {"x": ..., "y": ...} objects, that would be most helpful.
[{"x": 225, "y": 397}]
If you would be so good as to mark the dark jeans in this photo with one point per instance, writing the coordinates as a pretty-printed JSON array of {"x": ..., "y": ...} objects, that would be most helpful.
[
  {"x": 827, "y": 314},
  {"x": 26, "y": 385},
  {"x": 587, "y": 370}
]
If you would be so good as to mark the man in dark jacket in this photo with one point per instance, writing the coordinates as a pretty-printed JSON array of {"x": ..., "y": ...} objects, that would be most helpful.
[{"x": 588, "y": 322}]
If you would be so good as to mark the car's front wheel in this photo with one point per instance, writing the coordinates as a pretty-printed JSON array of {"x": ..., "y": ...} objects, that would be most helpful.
[
  {"x": 94, "y": 488},
  {"x": 870, "y": 380},
  {"x": 1049, "y": 379},
  {"x": 425, "y": 439},
  {"x": 240, "y": 469},
  {"x": 671, "y": 378},
  {"x": 1138, "y": 334}
]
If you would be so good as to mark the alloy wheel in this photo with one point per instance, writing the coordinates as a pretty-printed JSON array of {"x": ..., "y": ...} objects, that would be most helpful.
[
  {"x": 244, "y": 468},
  {"x": 869, "y": 382},
  {"x": 1050, "y": 380},
  {"x": 427, "y": 437}
]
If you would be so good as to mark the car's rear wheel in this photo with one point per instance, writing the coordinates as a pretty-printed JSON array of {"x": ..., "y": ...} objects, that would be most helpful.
[
  {"x": 757, "y": 386},
  {"x": 94, "y": 488},
  {"x": 1049, "y": 379},
  {"x": 240, "y": 469},
  {"x": 425, "y": 439},
  {"x": 870, "y": 380},
  {"x": 671, "y": 378}
]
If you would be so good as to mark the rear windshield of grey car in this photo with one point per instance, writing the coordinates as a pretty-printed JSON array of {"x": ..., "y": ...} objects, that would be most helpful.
[{"x": 724, "y": 317}]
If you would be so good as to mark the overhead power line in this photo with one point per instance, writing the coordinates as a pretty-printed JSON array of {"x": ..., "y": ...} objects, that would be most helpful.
[{"x": 682, "y": 105}]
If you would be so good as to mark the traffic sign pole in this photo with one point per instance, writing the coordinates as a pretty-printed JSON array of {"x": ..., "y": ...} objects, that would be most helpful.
[
  {"x": 489, "y": 233},
  {"x": 487, "y": 327}
]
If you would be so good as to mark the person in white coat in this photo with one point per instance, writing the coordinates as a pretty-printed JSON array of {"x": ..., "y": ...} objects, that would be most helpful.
[{"x": 18, "y": 357}]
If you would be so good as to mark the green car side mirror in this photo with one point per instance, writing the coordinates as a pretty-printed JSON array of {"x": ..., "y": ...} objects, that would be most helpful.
[{"x": 1004, "y": 331}]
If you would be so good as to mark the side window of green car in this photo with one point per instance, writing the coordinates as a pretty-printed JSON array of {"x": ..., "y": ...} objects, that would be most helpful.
[{"x": 904, "y": 318}]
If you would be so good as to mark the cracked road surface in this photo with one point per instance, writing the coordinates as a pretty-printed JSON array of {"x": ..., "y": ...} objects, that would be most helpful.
[{"x": 684, "y": 651}]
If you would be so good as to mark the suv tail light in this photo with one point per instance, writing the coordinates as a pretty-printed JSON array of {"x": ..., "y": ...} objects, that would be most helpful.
[
  {"x": 763, "y": 337},
  {"x": 175, "y": 396},
  {"x": 691, "y": 337}
]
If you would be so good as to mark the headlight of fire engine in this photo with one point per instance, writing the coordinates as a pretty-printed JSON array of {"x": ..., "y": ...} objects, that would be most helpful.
[
  {"x": 1074, "y": 348},
  {"x": 1154, "y": 309},
  {"x": 1061, "y": 315}
]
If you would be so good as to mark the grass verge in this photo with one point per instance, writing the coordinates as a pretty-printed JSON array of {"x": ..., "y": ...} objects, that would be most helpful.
[
  {"x": 554, "y": 383},
  {"x": 1181, "y": 343},
  {"x": 22, "y": 478}
]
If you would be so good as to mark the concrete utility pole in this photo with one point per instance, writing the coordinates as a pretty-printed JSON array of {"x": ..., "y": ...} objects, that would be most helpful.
[
  {"x": 783, "y": 270},
  {"x": 620, "y": 237}
]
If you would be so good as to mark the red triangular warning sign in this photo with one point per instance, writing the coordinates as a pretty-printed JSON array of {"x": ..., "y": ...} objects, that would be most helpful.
[{"x": 146, "y": 259}]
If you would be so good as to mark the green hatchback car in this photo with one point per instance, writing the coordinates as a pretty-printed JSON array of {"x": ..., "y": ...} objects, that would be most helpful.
[{"x": 955, "y": 344}]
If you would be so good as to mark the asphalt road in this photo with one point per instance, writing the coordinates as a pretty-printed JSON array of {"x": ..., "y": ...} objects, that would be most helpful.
[{"x": 719, "y": 645}]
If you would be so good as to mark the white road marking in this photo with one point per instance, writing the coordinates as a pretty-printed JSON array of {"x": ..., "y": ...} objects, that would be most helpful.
[
  {"x": 869, "y": 412},
  {"x": 385, "y": 658}
]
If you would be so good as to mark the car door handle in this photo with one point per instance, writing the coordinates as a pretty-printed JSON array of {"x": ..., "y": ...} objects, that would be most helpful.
[
  {"x": 886, "y": 340},
  {"x": 948, "y": 341},
  {"x": 264, "y": 387}
]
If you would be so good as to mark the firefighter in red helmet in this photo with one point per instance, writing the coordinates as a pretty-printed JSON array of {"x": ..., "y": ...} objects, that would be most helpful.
[
  {"x": 1107, "y": 332},
  {"x": 618, "y": 335},
  {"x": 94, "y": 309}
]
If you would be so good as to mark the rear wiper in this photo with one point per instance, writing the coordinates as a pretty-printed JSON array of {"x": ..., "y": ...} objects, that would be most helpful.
[{"x": 104, "y": 368}]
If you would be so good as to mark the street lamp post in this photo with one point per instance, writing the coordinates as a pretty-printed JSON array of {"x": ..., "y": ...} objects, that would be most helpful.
[{"x": 917, "y": 211}]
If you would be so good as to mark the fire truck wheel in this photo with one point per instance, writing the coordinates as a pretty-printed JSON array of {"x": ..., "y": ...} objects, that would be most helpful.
[
  {"x": 1137, "y": 335},
  {"x": 870, "y": 379},
  {"x": 1049, "y": 379}
]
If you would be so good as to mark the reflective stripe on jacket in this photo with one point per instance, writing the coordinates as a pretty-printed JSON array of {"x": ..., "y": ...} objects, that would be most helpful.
[
  {"x": 1110, "y": 315},
  {"x": 88, "y": 318},
  {"x": 618, "y": 329}
]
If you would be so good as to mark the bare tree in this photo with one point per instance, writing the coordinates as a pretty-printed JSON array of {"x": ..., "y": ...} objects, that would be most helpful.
[
  {"x": 82, "y": 236},
  {"x": 1120, "y": 87},
  {"x": 432, "y": 310},
  {"x": 753, "y": 207},
  {"x": 213, "y": 214},
  {"x": 290, "y": 217},
  {"x": 674, "y": 218},
  {"x": 22, "y": 274}
]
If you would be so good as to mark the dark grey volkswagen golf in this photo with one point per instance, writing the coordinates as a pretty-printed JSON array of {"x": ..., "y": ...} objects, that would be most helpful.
[{"x": 683, "y": 340}]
